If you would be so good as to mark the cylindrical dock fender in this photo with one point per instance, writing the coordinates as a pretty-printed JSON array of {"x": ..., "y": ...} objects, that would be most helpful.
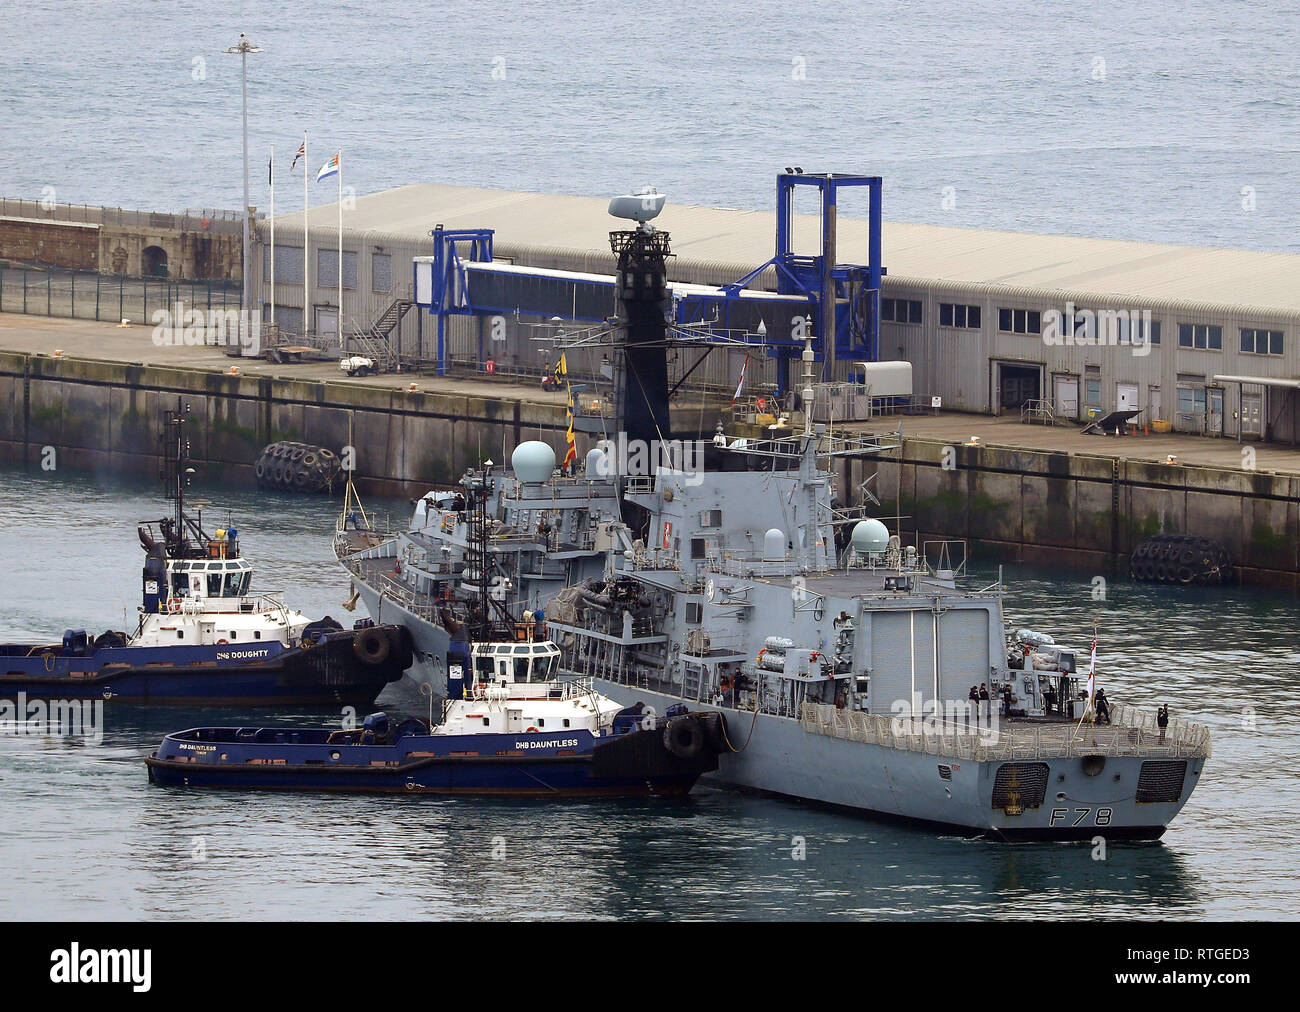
[
  {"x": 684, "y": 737},
  {"x": 371, "y": 646}
]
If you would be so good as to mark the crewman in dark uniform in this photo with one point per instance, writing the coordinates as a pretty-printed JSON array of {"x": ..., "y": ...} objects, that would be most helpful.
[
  {"x": 1102, "y": 707},
  {"x": 1162, "y": 719}
]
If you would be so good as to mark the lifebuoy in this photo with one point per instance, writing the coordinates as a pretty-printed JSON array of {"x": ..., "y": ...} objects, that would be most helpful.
[
  {"x": 489, "y": 367},
  {"x": 220, "y": 642},
  {"x": 530, "y": 730},
  {"x": 174, "y": 605}
]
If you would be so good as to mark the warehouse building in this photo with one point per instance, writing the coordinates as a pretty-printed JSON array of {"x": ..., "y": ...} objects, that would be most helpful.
[{"x": 1206, "y": 340}]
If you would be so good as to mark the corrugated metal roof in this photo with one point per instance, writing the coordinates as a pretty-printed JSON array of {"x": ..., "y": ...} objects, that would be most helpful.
[{"x": 724, "y": 236}]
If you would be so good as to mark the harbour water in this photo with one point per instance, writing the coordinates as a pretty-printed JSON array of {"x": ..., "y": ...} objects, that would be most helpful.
[
  {"x": 1174, "y": 122},
  {"x": 86, "y": 836}
]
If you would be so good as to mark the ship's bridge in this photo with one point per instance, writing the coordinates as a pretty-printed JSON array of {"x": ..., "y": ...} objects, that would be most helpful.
[{"x": 209, "y": 578}]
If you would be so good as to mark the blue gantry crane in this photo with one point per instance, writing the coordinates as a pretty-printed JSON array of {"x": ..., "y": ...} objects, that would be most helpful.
[{"x": 815, "y": 295}]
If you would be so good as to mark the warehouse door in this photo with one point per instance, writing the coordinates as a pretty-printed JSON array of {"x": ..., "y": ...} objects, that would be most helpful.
[
  {"x": 327, "y": 322},
  {"x": 1126, "y": 397},
  {"x": 1065, "y": 396},
  {"x": 1016, "y": 385},
  {"x": 1252, "y": 414}
]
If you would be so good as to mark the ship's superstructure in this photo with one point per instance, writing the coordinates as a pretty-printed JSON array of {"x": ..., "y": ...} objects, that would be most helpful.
[{"x": 850, "y": 668}]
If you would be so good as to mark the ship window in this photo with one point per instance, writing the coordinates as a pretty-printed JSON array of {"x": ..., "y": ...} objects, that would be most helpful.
[
  {"x": 214, "y": 585},
  {"x": 483, "y": 667},
  {"x": 694, "y": 612},
  {"x": 521, "y": 669},
  {"x": 485, "y": 721},
  {"x": 233, "y": 635},
  {"x": 179, "y": 584},
  {"x": 541, "y": 721},
  {"x": 257, "y": 634},
  {"x": 232, "y": 584},
  {"x": 566, "y": 721},
  {"x": 243, "y": 583},
  {"x": 180, "y": 634}
]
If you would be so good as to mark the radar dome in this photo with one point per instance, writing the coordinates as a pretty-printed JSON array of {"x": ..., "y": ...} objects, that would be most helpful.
[
  {"x": 533, "y": 462},
  {"x": 597, "y": 463},
  {"x": 774, "y": 545},
  {"x": 869, "y": 537}
]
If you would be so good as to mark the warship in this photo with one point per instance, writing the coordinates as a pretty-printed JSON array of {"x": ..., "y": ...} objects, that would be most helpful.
[{"x": 725, "y": 571}]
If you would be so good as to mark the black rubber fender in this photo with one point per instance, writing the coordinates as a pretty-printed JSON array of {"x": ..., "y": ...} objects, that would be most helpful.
[
  {"x": 684, "y": 737},
  {"x": 371, "y": 646}
]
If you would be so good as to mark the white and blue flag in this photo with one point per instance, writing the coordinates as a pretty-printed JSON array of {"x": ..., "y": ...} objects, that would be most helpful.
[{"x": 330, "y": 168}]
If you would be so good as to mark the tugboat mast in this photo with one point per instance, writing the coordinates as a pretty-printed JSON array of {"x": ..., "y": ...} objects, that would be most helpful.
[{"x": 182, "y": 535}]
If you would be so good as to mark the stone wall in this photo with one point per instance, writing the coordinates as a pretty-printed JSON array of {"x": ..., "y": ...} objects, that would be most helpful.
[
  {"x": 100, "y": 415},
  {"x": 1084, "y": 511},
  {"x": 61, "y": 244}
]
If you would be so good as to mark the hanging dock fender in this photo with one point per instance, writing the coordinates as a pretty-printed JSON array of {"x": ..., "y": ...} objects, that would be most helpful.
[{"x": 684, "y": 737}]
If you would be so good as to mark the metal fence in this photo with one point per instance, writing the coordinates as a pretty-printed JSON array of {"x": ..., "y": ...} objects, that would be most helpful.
[
  {"x": 87, "y": 295},
  {"x": 209, "y": 219}
]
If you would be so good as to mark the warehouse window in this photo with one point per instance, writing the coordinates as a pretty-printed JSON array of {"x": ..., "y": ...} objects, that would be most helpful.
[
  {"x": 900, "y": 310},
  {"x": 1142, "y": 331},
  {"x": 955, "y": 315},
  {"x": 1200, "y": 335},
  {"x": 327, "y": 268},
  {"x": 1020, "y": 321},
  {"x": 288, "y": 264},
  {"x": 381, "y": 272},
  {"x": 1092, "y": 387},
  {"x": 1261, "y": 342},
  {"x": 1191, "y": 400}
]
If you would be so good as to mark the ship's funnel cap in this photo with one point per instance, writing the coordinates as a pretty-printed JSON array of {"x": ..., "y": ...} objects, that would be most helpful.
[
  {"x": 533, "y": 462},
  {"x": 869, "y": 537}
]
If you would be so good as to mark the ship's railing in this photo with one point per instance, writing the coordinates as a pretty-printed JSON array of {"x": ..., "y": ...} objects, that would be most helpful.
[
  {"x": 755, "y": 563},
  {"x": 1132, "y": 737},
  {"x": 656, "y": 558},
  {"x": 395, "y": 590}
]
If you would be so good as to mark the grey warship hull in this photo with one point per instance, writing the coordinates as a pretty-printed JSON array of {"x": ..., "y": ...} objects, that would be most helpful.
[{"x": 803, "y": 760}]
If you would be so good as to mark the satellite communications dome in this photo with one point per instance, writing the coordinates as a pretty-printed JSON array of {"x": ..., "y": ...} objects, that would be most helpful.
[
  {"x": 533, "y": 462},
  {"x": 869, "y": 537}
]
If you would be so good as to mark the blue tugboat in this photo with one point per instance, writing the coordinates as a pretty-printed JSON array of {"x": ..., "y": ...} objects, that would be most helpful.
[
  {"x": 203, "y": 637},
  {"x": 517, "y": 731}
]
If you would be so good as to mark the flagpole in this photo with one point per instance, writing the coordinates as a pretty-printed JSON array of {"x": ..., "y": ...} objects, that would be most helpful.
[
  {"x": 339, "y": 161},
  {"x": 306, "y": 246},
  {"x": 272, "y": 233},
  {"x": 1092, "y": 675}
]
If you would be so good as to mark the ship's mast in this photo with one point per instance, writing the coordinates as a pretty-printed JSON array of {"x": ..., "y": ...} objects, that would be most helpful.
[
  {"x": 642, "y": 308},
  {"x": 175, "y": 449}
]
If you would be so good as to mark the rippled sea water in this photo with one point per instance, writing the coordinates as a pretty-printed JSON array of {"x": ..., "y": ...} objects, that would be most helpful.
[
  {"x": 1173, "y": 122},
  {"x": 86, "y": 836}
]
